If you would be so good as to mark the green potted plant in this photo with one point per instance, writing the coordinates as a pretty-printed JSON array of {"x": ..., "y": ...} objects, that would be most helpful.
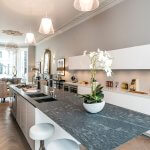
[{"x": 93, "y": 102}]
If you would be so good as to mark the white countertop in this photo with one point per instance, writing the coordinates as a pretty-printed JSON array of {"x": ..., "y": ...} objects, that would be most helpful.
[{"x": 116, "y": 90}]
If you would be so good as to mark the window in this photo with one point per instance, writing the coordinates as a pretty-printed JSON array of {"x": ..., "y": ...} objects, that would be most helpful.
[
  {"x": 22, "y": 64},
  {"x": 7, "y": 61},
  {"x": 10, "y": 58}
]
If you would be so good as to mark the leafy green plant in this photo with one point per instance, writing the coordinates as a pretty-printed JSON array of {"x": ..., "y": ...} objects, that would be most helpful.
[
  {"x": 96, "y": 96},
  {"x": 98, "y": 60}
]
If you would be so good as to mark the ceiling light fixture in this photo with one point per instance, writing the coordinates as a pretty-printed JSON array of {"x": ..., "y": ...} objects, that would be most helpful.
[
  {"x": 30, "y": 39},
  {"x": 46, "y": 26},
  {"x": 86, "y": 5}
]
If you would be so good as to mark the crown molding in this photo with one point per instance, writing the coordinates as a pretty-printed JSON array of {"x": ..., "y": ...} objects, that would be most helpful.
[
  {"x": 18, "y": 45},
  {"x": 82, "y": 17}
]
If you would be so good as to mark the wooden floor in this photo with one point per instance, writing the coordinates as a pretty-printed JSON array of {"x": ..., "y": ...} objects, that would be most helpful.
[
  {"x": 11, "y": 137},
  {"x": 139, "y": 143}
]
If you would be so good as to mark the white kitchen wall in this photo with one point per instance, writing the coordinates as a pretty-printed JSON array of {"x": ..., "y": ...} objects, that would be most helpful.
[
  {"x": 119, "y": 76},
  {"x": 125, "y": 25}
]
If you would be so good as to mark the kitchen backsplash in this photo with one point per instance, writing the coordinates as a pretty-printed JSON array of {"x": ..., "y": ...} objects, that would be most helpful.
[{"x": 118, "y": 75}]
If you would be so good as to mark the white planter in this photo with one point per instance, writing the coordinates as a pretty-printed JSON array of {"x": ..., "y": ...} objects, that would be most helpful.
[{"x": 94, "y": 108}]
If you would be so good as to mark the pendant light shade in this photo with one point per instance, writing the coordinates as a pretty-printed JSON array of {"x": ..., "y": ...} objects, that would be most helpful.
[
  {"x": 30, "y": 39},
  {"x": 46, "y": 26},
  {"x": 86, "y": 5}
]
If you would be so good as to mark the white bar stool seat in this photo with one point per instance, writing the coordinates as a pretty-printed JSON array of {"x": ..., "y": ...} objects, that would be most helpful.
[
  {"x": 63, "y": 144},
  {"x": 41, "y": 132}
]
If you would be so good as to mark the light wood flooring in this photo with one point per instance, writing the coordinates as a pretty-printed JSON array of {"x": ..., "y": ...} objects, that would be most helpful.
[
  {"x": 11, "y": 137},
  {"x": 139, "y": 143}
]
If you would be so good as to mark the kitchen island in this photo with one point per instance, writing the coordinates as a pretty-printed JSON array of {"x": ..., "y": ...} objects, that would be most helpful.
[{"x": 102, "y": 131}]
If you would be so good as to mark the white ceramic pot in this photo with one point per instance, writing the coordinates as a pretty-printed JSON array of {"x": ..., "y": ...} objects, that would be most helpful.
[{"x": 94, "y": 108}]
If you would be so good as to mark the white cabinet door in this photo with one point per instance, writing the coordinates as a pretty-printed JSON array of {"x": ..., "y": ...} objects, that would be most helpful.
[
  {"x": 137, "y": 57},
  {"x": 79, "y": 63},
  {"x": 30, "y": 123},
  {"x": 132, "y": 102},
  {"x": 18, "y": 110},
  {"x": 23, "y": 116},
  {"x": 131, "y": 58}
]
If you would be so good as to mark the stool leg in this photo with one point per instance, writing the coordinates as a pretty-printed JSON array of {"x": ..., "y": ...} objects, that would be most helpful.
[{"x": 42, "y": 147}]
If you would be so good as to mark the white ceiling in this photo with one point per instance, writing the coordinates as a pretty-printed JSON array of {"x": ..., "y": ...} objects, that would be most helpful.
[{"x": 21, "y": 15}]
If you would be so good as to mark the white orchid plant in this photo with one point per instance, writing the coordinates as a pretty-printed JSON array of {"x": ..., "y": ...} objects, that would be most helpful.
[{"x": 98, "y": 60}]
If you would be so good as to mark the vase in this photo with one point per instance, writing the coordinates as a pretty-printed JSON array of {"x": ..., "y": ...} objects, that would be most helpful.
[{"x": 95, "y": 107}]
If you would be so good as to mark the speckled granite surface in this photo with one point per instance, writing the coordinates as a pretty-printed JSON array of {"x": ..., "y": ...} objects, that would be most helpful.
[{"x": 102, "y": 131}]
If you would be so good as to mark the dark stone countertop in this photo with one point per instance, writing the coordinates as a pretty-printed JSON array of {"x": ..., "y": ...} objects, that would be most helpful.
[{"x": 105, "y": 130}]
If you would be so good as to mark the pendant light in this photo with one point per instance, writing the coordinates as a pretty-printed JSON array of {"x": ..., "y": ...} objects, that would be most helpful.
[
  {"x": 86, "y": 5},
  {"x": 30, "y": 39},
  {"x": 46, "y": 26}
]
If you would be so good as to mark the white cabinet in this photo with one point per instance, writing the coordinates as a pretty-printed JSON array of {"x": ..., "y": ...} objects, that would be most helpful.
[
  {"x": 130, "y": 101},
  {"x": 25, "y": 118},
  {"x": 79, "y": 63},
  {"x": 30, "y": 122},
  {"x": 131, "y": 58},
  {"x": 127, "y": 58},
  {"x": 18, "y": 115},
  {"x": 21, "y": 114}
]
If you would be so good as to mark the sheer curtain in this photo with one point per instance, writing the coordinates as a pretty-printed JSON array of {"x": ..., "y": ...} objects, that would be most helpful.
[
  {"x": 22, "y": 64},
  {"x": 13, "y": 57},
  {"x": 7, "y": 61}
]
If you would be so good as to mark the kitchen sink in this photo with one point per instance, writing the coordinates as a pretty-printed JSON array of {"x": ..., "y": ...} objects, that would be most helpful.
[
  {"x": 43, "y": 100},
  {"x": 33, "y": 95}
]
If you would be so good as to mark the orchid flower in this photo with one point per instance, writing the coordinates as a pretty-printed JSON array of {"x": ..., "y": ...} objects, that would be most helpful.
[
  {"x": 103, "y": 58},
  {"x": 99, "y": 59}
]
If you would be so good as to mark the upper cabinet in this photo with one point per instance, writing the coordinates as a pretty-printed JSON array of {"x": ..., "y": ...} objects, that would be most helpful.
[
  {"x": 79, "y": 63},
  {"x": 128, "y": 58},
  {"x": 131, "y": 58}
]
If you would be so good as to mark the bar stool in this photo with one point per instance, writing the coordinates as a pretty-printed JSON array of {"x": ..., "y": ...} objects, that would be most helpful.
[
  {"x": 41, "y": 132},
  {"x": 63, "y": 144}
]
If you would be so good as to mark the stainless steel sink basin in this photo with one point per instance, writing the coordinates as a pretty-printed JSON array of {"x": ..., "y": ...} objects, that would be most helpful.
[
  {"x": 33, "y": 95},
  {"x": 43, "y": 100}
]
